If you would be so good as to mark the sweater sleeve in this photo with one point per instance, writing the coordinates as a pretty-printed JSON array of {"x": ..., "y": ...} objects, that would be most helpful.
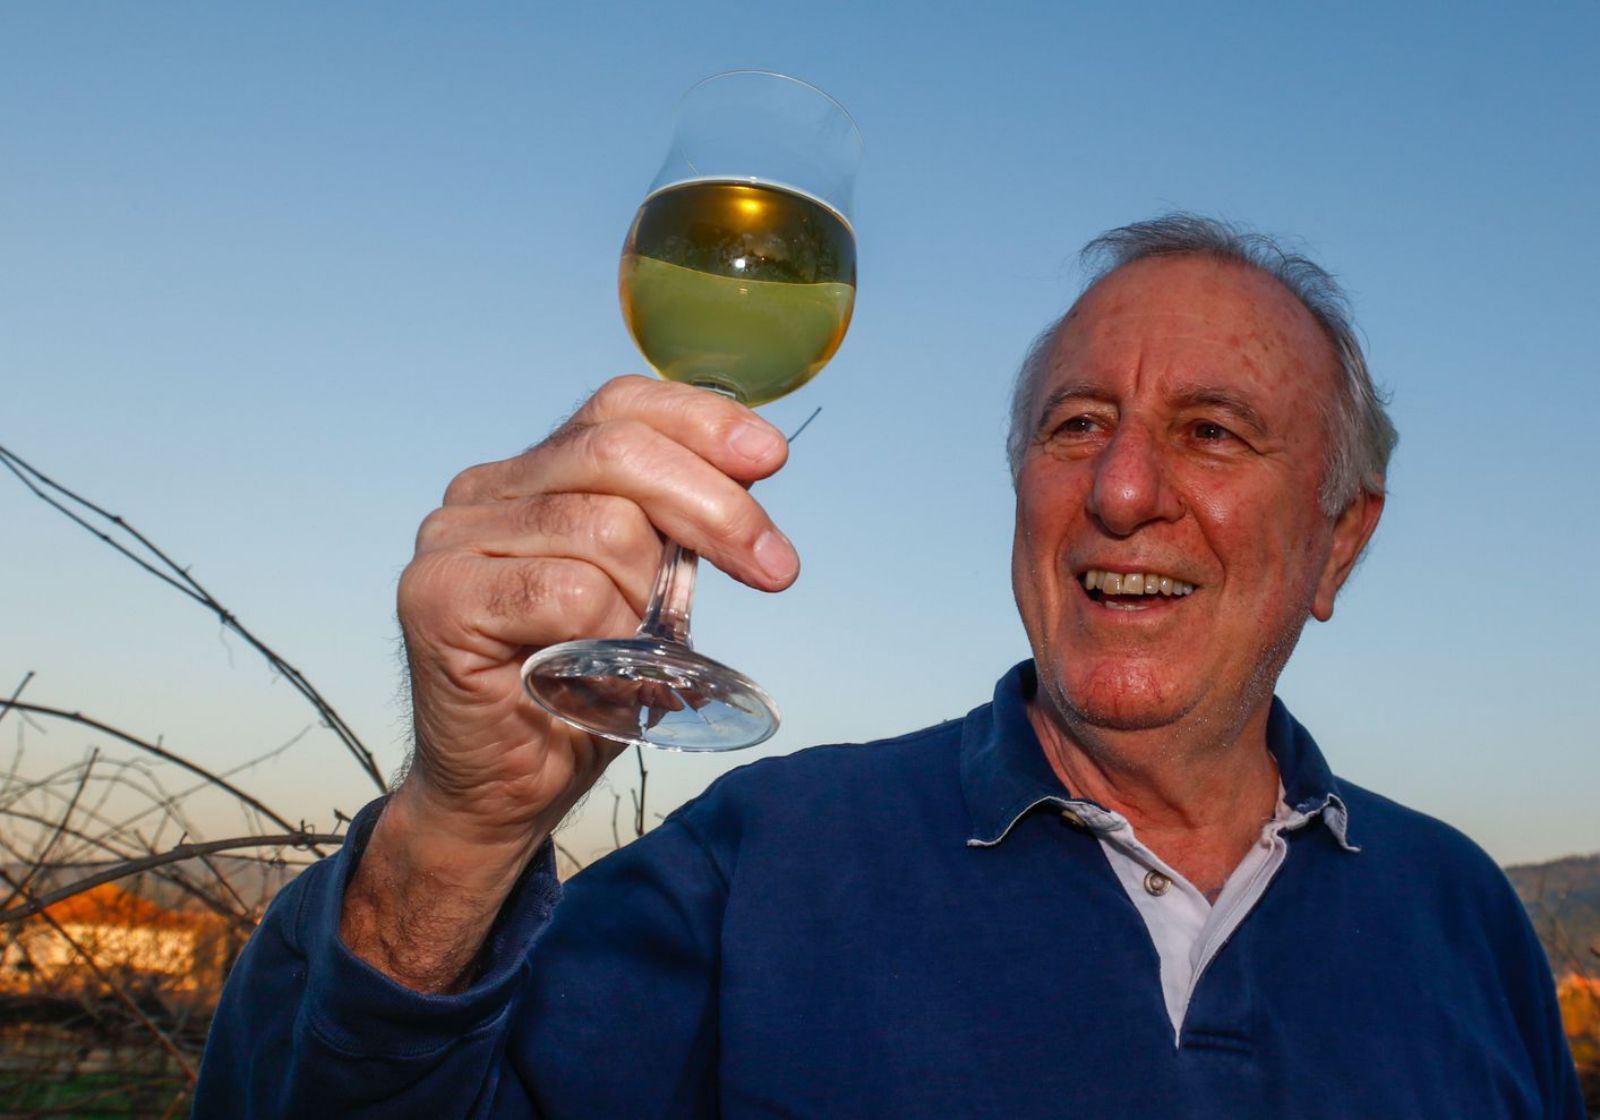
[
  {"x": 605, "y": 1005},
  {"x": 304, "y": 1028}
]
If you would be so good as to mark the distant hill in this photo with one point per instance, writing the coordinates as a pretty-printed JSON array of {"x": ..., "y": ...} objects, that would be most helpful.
[{"x": 1563, "y": 899}]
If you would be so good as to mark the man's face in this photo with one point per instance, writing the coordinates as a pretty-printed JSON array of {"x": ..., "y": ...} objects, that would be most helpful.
[{"x": 1179, "y": 433}]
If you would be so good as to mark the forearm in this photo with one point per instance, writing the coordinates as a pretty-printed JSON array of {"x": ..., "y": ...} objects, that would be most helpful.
[
  {"x": 305, "y": 1028},
  {"x": 424, "y": 897},
  {"x": 626, "y": 965}
]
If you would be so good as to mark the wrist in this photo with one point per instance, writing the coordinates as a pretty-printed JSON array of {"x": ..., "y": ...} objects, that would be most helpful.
[
  {"x": 426, "y": 893},
  {"x": 429, "y": 838}
]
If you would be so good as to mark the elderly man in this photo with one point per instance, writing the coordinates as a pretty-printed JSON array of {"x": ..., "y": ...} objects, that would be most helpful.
[{"x": 1129, "y": 886}]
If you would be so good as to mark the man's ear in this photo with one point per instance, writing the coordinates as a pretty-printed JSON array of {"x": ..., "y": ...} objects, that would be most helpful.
[{"x": 1351, "y": 532}]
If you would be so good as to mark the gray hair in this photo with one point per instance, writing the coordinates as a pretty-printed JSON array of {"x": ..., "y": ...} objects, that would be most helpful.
[{"x": 1361, "y": 433}]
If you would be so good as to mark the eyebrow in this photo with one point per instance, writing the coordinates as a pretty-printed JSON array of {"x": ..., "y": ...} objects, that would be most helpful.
[
  {"x": 1083, "y": 390},
  {"x": 1225, "y": 400},
  {"x": 1187, "y": 396}
]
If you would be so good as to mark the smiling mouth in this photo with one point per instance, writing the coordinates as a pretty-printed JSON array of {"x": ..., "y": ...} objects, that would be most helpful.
[{"x": 1132, "y": 591}]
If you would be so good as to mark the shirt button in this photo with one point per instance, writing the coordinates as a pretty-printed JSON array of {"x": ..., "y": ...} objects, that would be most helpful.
[
  {"x": 1156, "y": 883},
  {"x": 1072, "y": 818}
]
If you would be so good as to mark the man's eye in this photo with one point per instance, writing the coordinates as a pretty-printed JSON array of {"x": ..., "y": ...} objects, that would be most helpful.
[
  {"x": 1210, "y": 432},
  {"x": 1076, "y": 425}
]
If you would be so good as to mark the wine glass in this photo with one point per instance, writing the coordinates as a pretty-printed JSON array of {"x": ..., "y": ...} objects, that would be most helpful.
[{"x": 738, "y": 275}]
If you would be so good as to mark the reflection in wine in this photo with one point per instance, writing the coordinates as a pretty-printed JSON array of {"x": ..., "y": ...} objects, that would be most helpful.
[{"x": 738, "y": 286}]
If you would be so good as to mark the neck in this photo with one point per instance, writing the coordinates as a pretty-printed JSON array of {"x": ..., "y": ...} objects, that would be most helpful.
[{"x": 1196, "y": 797}]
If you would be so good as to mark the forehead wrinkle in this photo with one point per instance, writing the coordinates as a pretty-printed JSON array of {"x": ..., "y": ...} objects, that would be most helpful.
[
  {"x": 1259, "y": 338},
  {"x": 1083, "y": 387},
  {"x": 1093, "y": 326}
]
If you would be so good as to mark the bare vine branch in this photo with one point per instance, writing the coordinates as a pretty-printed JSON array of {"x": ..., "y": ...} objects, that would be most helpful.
[
  {"x": 37, "y": 903},
  {"x": 111, "y": 817},
  {"x": 16, "y": 693},
  {"x": 43, "y": 857},
  {"x": 638, "y": 802},
  {"x": 170, "y": 875},
  {"x": 179, "y": 578},
  {"x": 160, "y": 752}
]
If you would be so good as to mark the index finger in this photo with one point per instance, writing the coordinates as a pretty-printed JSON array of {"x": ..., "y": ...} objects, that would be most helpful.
[{"x": 723, "y": 432}]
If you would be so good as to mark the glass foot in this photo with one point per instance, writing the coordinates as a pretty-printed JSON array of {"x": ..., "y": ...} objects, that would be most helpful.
[{"x": 643, "y": 690}]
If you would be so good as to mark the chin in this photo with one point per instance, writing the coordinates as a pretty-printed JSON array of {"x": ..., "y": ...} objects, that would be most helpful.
[{"x": 1118, "y": 698}]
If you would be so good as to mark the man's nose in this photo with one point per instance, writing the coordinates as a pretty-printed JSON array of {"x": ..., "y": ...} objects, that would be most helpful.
[{"x": 1131, "y": 484}]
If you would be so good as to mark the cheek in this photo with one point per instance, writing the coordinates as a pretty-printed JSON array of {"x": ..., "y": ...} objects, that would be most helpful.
[
  {"x": 1048, "y": 501},
  {"x": 1239, "y": 527},
  {"x": 1029, "y": 558},
  {"x": 1021, "y": 567},
  {"x": 1260, "y": 540},
  {"x": 1049, "y": 511}
]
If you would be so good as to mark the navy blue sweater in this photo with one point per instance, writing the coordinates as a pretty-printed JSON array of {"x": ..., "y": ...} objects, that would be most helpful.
[{"x": 816, "y": 937}]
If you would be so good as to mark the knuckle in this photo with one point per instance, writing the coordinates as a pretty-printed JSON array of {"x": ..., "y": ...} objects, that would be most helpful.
[
  {"x": 621, "y": 394},
  {"x": 433, "y": 532},
  {"x": 583, "y": 591},
  {"x": 466, "y": 486},
  {"x": 563, "y": 593},
  {"x": 564, "y": 434},
  {"x": 619, "y": 528},
  {"x": 420, "y": 587},
  {"x": 617, "y": 444},
  {"x": 735, "y": 521},
  {"x": 521, "y": 593},
  {"x": 549, "y": 515},
  {"x": 569, "y": 516}
]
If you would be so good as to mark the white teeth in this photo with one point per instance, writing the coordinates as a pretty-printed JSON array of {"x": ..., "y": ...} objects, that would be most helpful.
[{"x": 1134, "y": 583}]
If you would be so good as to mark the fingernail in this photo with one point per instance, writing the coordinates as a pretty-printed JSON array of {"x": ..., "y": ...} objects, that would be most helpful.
[
  {"x": 753, "y": 441},
  {"x": 776, "y": 555}
]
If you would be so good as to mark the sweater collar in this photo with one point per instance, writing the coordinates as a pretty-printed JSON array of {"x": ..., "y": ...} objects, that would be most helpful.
[{"x": 1005, "y": 774}]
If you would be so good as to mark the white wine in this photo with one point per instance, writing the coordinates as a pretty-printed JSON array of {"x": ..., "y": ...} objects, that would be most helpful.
[{"x": 737, "y": 286}]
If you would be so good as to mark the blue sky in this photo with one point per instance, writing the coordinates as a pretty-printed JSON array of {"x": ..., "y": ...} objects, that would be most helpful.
[{"x": 270, "y": 275}]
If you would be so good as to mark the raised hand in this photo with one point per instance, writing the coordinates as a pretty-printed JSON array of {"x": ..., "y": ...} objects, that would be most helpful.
[{"x": 557, "y": 543}]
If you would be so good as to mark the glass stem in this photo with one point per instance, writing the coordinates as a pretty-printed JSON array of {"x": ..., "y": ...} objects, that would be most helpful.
[{"x": 667, "y": 617}]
